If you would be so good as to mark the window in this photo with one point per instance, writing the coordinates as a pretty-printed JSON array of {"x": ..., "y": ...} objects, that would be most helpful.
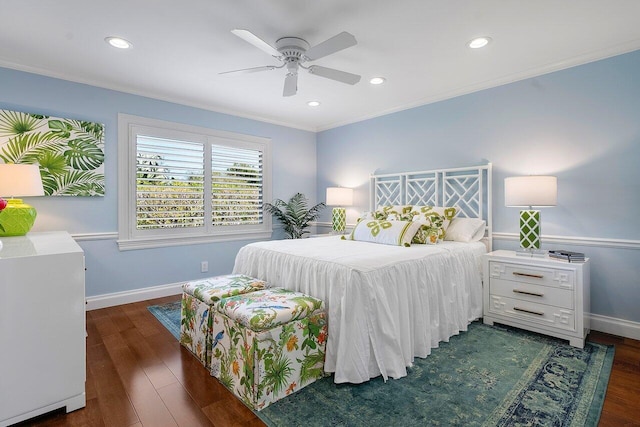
[{"x": 182, "y": 184}]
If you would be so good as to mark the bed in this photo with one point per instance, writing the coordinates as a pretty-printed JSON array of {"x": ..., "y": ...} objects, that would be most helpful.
[{"x": 388, "y": 304}]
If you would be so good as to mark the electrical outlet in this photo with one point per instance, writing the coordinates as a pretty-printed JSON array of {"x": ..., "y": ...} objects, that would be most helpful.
[{"x": 204, "y": 266}]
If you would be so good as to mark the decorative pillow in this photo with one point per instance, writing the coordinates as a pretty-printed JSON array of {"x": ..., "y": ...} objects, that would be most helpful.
[
  {"x": 379, "y": 215},
  {"x": 398, "y": 211},
  {"x": 447, "y": 213},
  {"x": 427, "y": 235},
  {"x": 398, "y": 233},
  {"x": 465, "y": 230},
  {"x": 431, "y": 230}
]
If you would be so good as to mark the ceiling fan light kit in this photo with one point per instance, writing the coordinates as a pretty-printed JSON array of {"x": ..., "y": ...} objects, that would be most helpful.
[{"x": 293, "y": 52}]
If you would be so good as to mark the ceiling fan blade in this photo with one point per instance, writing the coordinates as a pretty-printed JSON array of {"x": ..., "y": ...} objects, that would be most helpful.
[
  {"x": 332, "y": 45},
  {"x": 330, "y": 73},
  {"x": 290, "y": 85},
  {"x": 252, "y": 70},
  {"x": 249, "y": 37}
]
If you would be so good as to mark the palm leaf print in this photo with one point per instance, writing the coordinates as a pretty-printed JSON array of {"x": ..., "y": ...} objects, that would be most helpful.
[
  {"x": 27, "y": 147},
  {"x": 52, "y": 163},
  {"x": 70, "y": 152},
  {"x": 78, "y": 183},
  {"x": 83, "y": 154},
  {"x": 16, "y": 123}
]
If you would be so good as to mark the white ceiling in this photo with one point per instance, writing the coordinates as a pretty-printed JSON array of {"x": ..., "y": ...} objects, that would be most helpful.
[{"x": 419, "y": 46}]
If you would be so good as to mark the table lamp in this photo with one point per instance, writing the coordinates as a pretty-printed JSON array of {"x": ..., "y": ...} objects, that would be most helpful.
[
  {"x": 18, "y": 180},
  {"x": 339, "y": 197},
  {"x": 530, "y": 191}
]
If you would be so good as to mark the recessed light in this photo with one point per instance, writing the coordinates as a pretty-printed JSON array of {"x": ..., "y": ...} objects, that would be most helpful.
[
  {"x": 119, "y": 42},
  {"x": 377, "y": 80},
  {"x": 479, "y": 42},
  {"x": 313, "y": 103}
]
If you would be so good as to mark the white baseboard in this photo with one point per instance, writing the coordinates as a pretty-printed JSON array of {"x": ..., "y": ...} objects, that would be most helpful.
[
  {"x": 136, "y": 295},
  {"x": 613, "y": 326}
]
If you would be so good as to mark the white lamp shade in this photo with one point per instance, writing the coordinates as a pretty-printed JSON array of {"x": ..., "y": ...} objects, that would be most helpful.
[
  {"x": 18, "y": 180},
  {"x": 339, "y": 196},
  {"x": 534, "y": 190}
]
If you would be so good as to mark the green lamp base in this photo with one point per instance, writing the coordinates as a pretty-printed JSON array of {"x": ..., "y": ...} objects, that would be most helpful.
[
  {"x": 339, "y": 220},
  {"x": 530, "y": 229},
  {"x": 17, "y": 218}
]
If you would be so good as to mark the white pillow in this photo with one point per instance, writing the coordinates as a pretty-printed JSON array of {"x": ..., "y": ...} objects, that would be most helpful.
[
  {"x": 465, "y": 230},
  {"x": 398, "y": 233}
]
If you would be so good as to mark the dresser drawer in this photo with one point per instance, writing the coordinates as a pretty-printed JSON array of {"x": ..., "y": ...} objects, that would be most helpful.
[
  {"x": 555, "y": 277},
  {"x": 534, "y": 293},
  {"x": 555, "y": 317}
]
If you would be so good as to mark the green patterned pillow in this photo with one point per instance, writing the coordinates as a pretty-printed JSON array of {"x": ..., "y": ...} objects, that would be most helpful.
[
  {"x": 447, "y": 213},
  {"x": 397, "y": 210},
  {"x": 379, "y": 215},
  {"x": 398, "y": 233},
  {"x": 431, "y": 230}
]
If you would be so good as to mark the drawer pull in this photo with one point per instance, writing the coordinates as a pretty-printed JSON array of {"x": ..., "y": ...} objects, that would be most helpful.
[
  {"x": 524, "y": 310},
  {"x": 536, "y": 276},
  {"x": 533, "y": 294}
]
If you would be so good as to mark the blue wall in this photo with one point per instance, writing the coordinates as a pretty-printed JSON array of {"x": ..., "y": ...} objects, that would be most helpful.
[
  {"x": 581, "y": 124},
  {"x": 108, "y": 269}
]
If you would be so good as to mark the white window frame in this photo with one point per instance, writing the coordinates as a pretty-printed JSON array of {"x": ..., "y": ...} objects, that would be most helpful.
[{"x": 129, "y": 237}]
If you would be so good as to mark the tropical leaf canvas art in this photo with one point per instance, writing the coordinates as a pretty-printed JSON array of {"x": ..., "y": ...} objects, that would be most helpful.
[{"x": 70, "y": 152}]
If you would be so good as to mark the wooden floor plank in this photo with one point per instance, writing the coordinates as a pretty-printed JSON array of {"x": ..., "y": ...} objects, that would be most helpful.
[
  {"x": 141, "y": 392},
  {"x": 182, "y": 407},
  {"x": 138, "y": 375},
  {"x": 115, "y": 407},
  {"x": 157, "y": 372}
]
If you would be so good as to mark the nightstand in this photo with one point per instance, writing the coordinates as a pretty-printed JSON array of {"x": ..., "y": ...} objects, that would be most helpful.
[{"x": 538, "y": 294}]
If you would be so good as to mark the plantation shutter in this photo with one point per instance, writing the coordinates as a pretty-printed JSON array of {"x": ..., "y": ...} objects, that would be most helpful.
[
  {"x": 237, "y": 179},
  {"x": 169, "y": 183}
]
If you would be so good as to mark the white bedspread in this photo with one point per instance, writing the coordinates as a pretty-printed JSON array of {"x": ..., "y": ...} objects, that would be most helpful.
[{"x": 386, "y": 304}]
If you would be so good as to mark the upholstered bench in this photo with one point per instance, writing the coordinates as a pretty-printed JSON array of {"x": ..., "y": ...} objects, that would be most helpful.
[
  {"x": 196, "y": 317},
  {"x": 268, "y": 344}
]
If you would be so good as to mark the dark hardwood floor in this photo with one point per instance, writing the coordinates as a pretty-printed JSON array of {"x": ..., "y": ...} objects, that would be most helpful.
[{"x": 139, "y": 375}]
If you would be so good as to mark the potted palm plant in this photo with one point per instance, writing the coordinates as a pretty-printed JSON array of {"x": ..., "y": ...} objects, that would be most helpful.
[{"x": 295, "y": 215}]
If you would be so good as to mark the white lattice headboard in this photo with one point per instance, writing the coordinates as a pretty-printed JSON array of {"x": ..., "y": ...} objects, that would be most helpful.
[{"x": 469, "y": 189}]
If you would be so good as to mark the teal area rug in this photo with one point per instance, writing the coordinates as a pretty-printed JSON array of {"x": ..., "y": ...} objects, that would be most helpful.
[
  {"x": 169, "y": 316},
  {"x": 488, "y": 376}
]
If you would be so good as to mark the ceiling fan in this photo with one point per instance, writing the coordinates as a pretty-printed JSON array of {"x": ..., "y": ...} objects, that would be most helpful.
[{"x": 293, "y": 52}]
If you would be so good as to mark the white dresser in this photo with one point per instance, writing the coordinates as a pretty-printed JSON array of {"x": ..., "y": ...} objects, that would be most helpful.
[
  {"x": 538, "y": 294},
  {"x": 42, "y": 325}
]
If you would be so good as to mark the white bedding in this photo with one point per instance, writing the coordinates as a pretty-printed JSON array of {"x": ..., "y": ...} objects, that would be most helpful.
[{"x": 386, "y": 304}]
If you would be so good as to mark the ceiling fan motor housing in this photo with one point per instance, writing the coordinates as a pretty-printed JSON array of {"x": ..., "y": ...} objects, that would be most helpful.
[{"x": 292, "y": 48}]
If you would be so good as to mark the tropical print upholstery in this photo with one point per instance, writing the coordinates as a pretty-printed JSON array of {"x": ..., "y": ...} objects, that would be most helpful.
[
  {"x": 269, "y": 308},
  {"x": 195, "y": 328},
  {"x": 269, "y": 345},
  {"x": 213, "y": 289},
  {"x": 196, "y": 316}
]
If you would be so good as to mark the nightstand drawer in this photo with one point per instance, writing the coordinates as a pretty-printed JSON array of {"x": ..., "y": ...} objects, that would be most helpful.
[
  {"x": 537, "y": 294},
  {"x": 532, "y": 274},
  {"x": 555, "y": 317}
]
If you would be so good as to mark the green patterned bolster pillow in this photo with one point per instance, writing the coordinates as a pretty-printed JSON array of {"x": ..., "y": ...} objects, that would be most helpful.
[{"x": 397, "y": 233}]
